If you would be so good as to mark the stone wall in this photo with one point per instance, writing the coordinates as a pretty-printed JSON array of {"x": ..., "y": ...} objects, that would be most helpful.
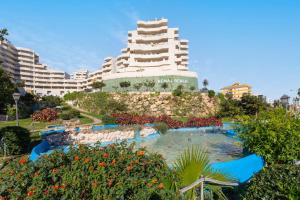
[{"x": 154, "y": 104}]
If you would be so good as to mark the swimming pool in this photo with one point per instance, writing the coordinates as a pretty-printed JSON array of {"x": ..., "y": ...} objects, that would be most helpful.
[{"x": 218, "y": 146}]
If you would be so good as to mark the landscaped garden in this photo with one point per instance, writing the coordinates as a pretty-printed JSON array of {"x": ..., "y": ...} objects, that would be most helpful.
[{"x": 175, "y": 152}]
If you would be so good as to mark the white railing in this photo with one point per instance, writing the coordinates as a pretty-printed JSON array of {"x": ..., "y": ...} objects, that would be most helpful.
[{"x": 201, "y": 181}]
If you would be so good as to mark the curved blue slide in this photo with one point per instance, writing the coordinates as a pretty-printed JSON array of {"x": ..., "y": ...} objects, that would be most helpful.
[{"x": 242, "y": 169}]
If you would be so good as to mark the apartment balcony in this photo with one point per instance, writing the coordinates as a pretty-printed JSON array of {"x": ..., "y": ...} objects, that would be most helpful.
[
  {"x": 181, "y": 67},
  {"x": 149, "y": 38},
  {"x": 182, "y": 52},
  {"x": 149, "y": 47},
  {"x": 151, "y": 56},
  {"x": 149, "y": 64},
  {"x": 152, "y": 30},
  {"x": 154, "y": 23}
]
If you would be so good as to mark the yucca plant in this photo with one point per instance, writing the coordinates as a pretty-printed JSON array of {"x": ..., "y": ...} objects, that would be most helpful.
[{"x": 193, "y": 164}]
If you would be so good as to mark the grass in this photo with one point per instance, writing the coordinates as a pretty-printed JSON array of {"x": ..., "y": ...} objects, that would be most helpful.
[
  {"x": 85, "y": 120},
  {"x": 29, "y": 124}
]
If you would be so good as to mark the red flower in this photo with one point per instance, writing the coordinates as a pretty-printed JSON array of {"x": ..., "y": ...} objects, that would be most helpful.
[
  {"x": 102, "y": 164},
  {"x": 105, "y": 155},
  {"x": 46, "y": 192},
  {"x": 129, "y": 168},
  {"x": 86, "y": 160},
  {"x": 55, "y": 187},
  {"x": 76, "y": 157},
  {"x": 2, "y": 198},
  {"x": 23, "y": 160},
  {"x": 30, "y": 193}
]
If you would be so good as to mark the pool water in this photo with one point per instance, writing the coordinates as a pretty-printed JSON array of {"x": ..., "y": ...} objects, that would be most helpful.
[{"x": 218, "y": 146}]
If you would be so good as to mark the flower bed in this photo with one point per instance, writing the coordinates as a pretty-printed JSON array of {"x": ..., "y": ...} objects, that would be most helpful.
[
  {"x": 46, "y": 115},
  {"x": 128, "y": 119},
  {"x": 114, "y": 172}
]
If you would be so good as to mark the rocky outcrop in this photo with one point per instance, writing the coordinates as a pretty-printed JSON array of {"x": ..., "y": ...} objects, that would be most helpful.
[{"x": 188, "y": 104}]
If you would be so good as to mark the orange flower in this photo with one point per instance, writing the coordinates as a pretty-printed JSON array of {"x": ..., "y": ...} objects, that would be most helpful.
[
  {"x": 76, "y": 157},
  {"x": 129, "y": 168},
  {"x": 94, "y": 184},
  {"x": 62, "y": 187},
  {"x": 23, "y": 160},
  {"x": 86, "y": 160},
  {"x": 55, "y": 187},
  {"x": 105, "y": 155},
  {"x": 54, "y": 171},
  {"x": 110, "y": 182},
  {"x": 113, "y": 162},
  {"x": 161, "y": 186},
  {"x": 102, "y": 164},
  {"x": 149, "y": 185},
  {"x": 30, "y": 193},
  {"x": 141, "y": 153}
]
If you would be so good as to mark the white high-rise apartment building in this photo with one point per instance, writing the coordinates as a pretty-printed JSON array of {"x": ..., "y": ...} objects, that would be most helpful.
[{"x": 154, "y": 53}]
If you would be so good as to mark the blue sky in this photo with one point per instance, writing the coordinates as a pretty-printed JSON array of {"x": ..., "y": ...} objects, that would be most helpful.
[{"x": 249, "y": 41}]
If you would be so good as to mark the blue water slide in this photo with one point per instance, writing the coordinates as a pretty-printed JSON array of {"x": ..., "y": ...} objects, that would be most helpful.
[
  {"x": 39, "y": 149},
  {"x": 241, "y": 169}
]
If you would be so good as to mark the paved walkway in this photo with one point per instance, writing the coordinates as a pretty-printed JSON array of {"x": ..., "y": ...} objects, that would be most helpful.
[{"x": 84, "y": 113}]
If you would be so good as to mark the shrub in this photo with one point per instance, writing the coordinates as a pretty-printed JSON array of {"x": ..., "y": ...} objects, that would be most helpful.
[
  {"x": 127, "y": 119},
  {"x": 275, "y": 182},
  {"x": 47, "y": 114},
  {"x": 50, "y": 101},
  {"x": 14, "y": 140},
  {"x": 161, "y": 127},
  {"x": 114, "y": 172},
  {"x": 107, "y": 119},
  {"x": 178, "y": 91},
  {"x": 69, "y": 114},
  {"x": 211, "y": 93},
  {"x": 273, "y": 134}
]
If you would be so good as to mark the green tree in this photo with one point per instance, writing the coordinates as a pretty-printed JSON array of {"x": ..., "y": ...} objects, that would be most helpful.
[
  {"x": 7, "y": 88},
  {"x": 164, "y": 85},
  {"x": 228, "y": 107},
  {"x": 192, "y": 88},
  {"x": 3, "y": 34},
  {"x": 149, "y": 84},
  {"x": 50, "y": 101},
  {"x": 275, "y": 182},
  {"x": 273, "y": 134},
  {"x": 138, "y": 86},
  {"x": 298, "y": 92},
  {"x": 125, "y": 84},
  {"x": 193, "y": 164},
  {"x": 98, "y": 85},
  {"x": 251, "y": 105},
  {"x": 211, "y": 93}
]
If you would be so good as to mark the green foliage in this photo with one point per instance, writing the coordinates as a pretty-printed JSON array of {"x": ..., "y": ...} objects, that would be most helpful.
[
  {"x": 251, "y": 105},
  {"x": 98, "y": 85},
  {"x": 193, "y": 164},
  {"x": 192, "y": 88},
  {"x": 149, "y": 84},
  {"x": 164, "y": 85},
  {"x": 125, "y": 84},
  {"x": 275, "y": 182},
  {"x": 114, "y": 172},
  {"x": 137, "y": 86},
  {"x": 69, "y": 114},
  {"x": 50, "y": 101},
  {"x": 11, "y": 111},
  {"x": 27, "y": 105},
  {"x": 273, "y": 134},
  {"x": 247, "y": 105},
  {"x": 107, "y": 119},
  {"x": 211, "y": 93},
  {"x": 161, "y": 127},
  {"x": 14, "y": 140},
  {"x": 70, "y": 96},
  {"x": 178, "y": 91},
  {"x": 7, "y": 88},
  {"x": 97, "y": 102},
  {"x": 3, "y": 34}
]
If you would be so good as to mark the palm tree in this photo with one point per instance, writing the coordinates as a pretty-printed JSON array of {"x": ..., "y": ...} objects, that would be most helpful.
[
  {"x": 298, "y": 92},
  {"x": 205, "y": 83},
  {"x": 193, "y": 164},
  {"x": 3, "y": 33}
]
